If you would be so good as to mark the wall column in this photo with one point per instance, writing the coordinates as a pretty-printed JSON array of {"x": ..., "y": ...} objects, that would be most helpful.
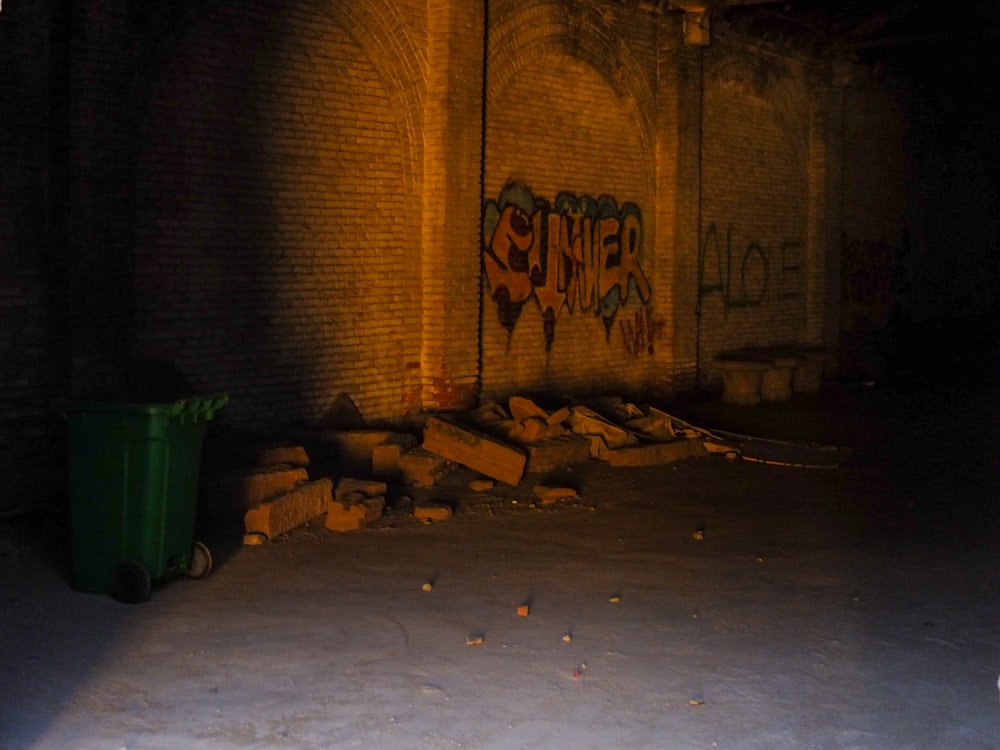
[
  {"x": 452, "y": 197},
  {"x": 678, "y": 187},
  {"x": 825, "y": 185}
]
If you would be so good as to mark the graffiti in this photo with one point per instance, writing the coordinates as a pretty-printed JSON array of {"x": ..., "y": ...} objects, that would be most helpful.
[
  {"x": 579, "y": 253},
  {"x": 743, "y": 277},
  {"x": 640, "y": 332},
  {"x": 872, "y": 271}
]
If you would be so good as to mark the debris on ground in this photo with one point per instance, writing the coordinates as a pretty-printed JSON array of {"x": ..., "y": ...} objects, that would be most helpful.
[
  {"x": 552, "y": 495},
  {"x": 475, "y": 450},
  {"x": 285, "y": 485},
  {"x": 434, "y": 512}
]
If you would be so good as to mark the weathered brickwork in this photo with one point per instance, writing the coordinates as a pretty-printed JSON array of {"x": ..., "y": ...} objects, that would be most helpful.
[
  {"x": 569, "y": 113},
  {"x": 280, "y": 203},
  {"x": 422, "y": 205},
  {"x": 752, "y": 267}
]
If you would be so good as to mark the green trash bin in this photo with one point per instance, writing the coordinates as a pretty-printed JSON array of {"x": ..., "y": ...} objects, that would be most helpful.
[{"x": 134, "y": 473}]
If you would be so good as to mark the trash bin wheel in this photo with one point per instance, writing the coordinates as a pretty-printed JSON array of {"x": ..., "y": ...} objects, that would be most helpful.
[
  {"x": 131, "y": 582},
  {"x": 201, "y": 561}
]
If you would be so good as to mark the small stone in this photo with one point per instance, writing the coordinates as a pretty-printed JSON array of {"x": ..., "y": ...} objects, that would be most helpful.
[
  {"x": 474, "y": 640},
  {"x": 254, "y": 539},
  {"x": 615, "y": 599},
  {"x": 551, "y": 495},
  {"x": 699, "y": 535},
  {"x": 427, "y": 586},
  {"x": 432, "y": 512},
  {"x": 696, "y": 702},
  {"x": 522, "y": 611},
  {"x": 567, "y": 638},
  {"x": 481, "y": 485}
]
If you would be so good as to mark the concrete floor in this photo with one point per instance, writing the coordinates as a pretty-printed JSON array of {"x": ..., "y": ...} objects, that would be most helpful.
[{"x": 856, "y": 607}]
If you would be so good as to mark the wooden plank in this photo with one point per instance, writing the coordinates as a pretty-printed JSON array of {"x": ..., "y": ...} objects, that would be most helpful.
[{"x": 474, "y": 450}]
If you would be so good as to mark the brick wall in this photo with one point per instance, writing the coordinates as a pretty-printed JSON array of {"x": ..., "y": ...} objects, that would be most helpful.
[
  {"x": 360, "y": 206},
  {"x": 278, "y": 238},
  {"x": 754, "y": 204},
  {"x": 32, "y": 318},
  {"x": 569, "y": 110}
]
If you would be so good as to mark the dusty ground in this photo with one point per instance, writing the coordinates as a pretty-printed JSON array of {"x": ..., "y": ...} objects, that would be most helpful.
[{"x": 847, "y": 608}]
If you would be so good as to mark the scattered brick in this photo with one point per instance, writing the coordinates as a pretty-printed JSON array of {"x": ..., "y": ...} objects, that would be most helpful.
[
  {"x": 521, "y": 408},
  {"x": 475, "y": 450},
  {"x": 294, "y": 508},
  {"x": 364, "y": 487},
  {"x": 653, "y": 454},
  {"x": 289, "y": 455},
  {"x": 556, "y": 453},
  {"x": 352, "y": 511},
  {"x": 245, "y": 490},
  {"x": 432, "y": 512},
  {"x": 421, "y": 468},
  {"x": 551, "y": 495},
  {"x": 386, "y": 455}
]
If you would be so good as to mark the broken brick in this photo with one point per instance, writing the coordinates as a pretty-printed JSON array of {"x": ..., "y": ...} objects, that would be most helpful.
[
  {"x": 432, "y": 512},
  {"x": 386, "y": 455},
  {"x": 294, "y": 508},
  {"x": 290, "y": 455},
  {"x": 477, "y": 451},
  {"x": 421, "y": 468},
  {"x": 363, "y": 487},
  {"x": 353, "y": 510}
]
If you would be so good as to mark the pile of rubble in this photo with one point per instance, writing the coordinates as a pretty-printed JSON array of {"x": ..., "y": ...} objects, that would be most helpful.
[{"x": 501, "y": 443}]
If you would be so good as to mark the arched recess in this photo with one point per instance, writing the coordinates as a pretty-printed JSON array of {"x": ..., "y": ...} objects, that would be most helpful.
[
  {"x": 754, "y": 234},
  {"x": 565, "y": 93},
  {"x": 538, "y": 29},
  {"x": 277, "y": 172}
]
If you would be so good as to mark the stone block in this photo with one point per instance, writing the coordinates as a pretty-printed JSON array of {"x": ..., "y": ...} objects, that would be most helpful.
[
  {"x": 432, "y": 512},
  {"x": 421, "y": 468},
  {"x": 353, "y": 510},
  {"x": 385, "y": 455},
  {"x": 362, "y": 487},
  {"x": 551, "y": 495},
  {"x": 243, "y": 490},
  {"x": 521, "y": 408},
  {"x": 351, "y": 449},
  {"x": 292, "y": 509},
  {"x": 557, "y": 453},
  {"x": 473, "y": 449},
  {"x": 288, "y": 455},
  {"x": 654, "y": 454}
]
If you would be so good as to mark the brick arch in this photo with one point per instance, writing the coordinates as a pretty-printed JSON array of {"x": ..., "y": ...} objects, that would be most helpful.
[
  {"x": 546, "y": 28},
  {"x": 280, "y": 239},
  {"x": 778, "y": 88},
  {"x": 376, "y": 26},
  {"x": 379, "y": 28}
]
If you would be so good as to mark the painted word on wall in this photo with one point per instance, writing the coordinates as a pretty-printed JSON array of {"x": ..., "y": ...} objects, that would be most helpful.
[
  {"x": 640, "y": 332},
  {"x": 742, "y": 276},
  {"x": 579, "y": 253}
]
